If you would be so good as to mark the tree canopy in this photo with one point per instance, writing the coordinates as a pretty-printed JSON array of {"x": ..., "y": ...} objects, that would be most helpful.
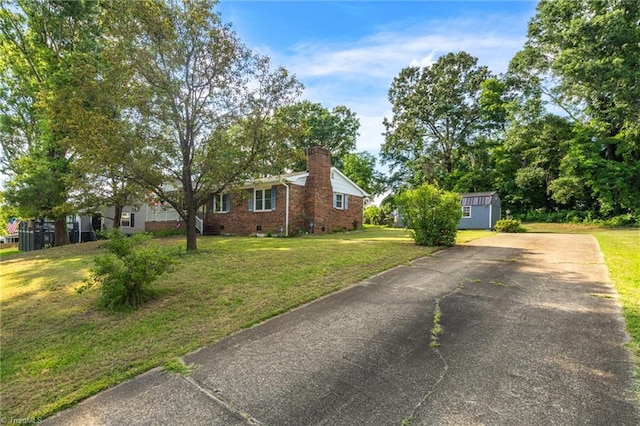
[
  {"x": 203, "y": 105},
  {"x": 456, "y": 124},
  {"x": 585, "y": 56},
  {"x": 437, "y": 118},
  {"x": 41, "y": 45},
  {"x": 310, "y": 125},
  {"x": 361, "y": 169},
  {"x": 103, "y": 102}
]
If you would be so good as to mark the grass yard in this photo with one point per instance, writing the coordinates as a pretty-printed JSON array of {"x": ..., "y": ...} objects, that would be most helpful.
[
  {"x": 57, "y": 348},
  {"x": 4, "y": 252},
  {"x": 621, "y": 249},
  {"x": 622, "y": 254}
]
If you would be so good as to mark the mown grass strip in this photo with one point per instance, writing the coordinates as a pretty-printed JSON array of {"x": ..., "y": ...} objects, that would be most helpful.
[{"x": 621, "y": 249}]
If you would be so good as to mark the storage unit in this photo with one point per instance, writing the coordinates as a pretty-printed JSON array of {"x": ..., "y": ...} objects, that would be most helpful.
[{"x": 480, "y": 210}]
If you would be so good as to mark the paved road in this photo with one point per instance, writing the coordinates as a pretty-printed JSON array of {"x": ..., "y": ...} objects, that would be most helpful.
[{"x": 532, "y": 335}]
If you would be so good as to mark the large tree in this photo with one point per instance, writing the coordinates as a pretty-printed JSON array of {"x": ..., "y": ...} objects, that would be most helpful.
[
  {"x": 40, "y": 42},
  {"x": 97, "y": 107},
  {"x": 361, "y": 169},
  {"x": 528, "y": 161},
  {"x": 310, "y": 124},
  {"x": 438, "y": 115},
  {"x": 203, "y": 103},
  {"x": 584, "y": 56}
]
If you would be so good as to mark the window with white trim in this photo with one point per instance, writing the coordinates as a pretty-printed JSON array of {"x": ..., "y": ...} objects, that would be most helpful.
[
  {"x": 466, "y": 211},
  {"x": 340, "y": 201},
  {"x": 126, "y": 220},
  {"x": 221, "y": 203},
  {"x": 264, "y": 200}
]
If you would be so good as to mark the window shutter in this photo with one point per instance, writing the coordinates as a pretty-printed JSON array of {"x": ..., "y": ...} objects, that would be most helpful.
[
  {"x": 346, "y": 201},
  {"x": 274, "y": 192},
  {"x": 227, "y": 202},
  {"x": 251, "y": 200},
  {"x": 335, "y": 200},
  {"x": 131, "y": 223}
]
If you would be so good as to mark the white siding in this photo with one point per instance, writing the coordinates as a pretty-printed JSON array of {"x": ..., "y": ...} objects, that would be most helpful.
[
  {"x": 343, "y": 185},
  {"x": 143, "y": 213}
]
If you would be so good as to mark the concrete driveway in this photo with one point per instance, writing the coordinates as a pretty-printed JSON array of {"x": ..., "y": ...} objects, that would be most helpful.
[{"x": 531, "y": 334}]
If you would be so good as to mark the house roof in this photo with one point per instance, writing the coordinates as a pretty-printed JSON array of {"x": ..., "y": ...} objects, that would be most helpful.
[
  {"x": 341, "y": 184},
  {"x": 479, "y": 194},
  {"x": 289, "y": 177},
  {"x": 477, "y": 198}
]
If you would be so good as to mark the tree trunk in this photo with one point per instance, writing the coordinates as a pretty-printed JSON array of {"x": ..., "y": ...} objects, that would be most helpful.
[
  {"x": 61, "y": 232},
  {"x": 117, "y": 216},
  {"x": 192, "y": 243},
  {"x": 610, "y": 153}
]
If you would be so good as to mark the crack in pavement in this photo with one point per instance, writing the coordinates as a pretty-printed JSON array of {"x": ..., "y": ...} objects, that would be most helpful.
[
  {"x": 435, "y": 346},
  {"x": 217, "y": 399}
]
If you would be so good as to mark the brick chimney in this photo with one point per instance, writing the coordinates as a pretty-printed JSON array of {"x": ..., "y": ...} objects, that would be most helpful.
[{"x": 318, "y": 190}]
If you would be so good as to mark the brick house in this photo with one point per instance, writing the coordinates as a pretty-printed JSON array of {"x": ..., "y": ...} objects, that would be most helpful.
[
  {"x": 321, "y": 199},
  {"x": 318, "y": 200}
]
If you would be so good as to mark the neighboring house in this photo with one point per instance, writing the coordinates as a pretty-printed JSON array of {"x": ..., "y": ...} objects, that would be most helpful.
[
  {"x": 144, "y": 218},
  {"x": 480, "y": 210},
  {"x": 321, "y": 199},
  {"x": 12, "y": 232}
]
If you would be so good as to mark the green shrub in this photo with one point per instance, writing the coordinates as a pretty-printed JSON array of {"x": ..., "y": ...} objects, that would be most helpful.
[
  {"x": 125, "y": 273},
  {"x": 431, "y": 214},
  {"x": 509, "y": 225},
  {"x": 373, "y": 215},
  {"x": 170, "y": 232},
  {"x": 620, "y": 221},
  {"x": 577, "y": 216}
]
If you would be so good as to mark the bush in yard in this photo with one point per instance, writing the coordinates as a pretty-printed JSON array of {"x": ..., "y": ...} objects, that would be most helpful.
[
  {"x": 620, "y": 221},
  {"x": 431, "y": 214},
  {"x": 373, "y": 215},
  {"x": 509, "y": 225},
  {"x": 169, "y": 232},
  {"x": 125, "y": 273}
]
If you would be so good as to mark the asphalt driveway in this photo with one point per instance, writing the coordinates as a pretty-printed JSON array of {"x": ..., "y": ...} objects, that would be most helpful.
[{"x": 531, "y": 333}]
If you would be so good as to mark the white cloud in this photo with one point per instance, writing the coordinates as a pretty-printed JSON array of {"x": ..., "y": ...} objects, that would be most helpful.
[
  {"x": 358, "y": 73},
  {"x": 384, "y": 58},
  {"x": 371, "y": 129},
  {"x": 427, "y": 61}
]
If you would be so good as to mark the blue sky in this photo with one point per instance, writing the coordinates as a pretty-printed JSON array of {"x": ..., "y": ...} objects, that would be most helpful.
[{"x": 348, "y": 52}]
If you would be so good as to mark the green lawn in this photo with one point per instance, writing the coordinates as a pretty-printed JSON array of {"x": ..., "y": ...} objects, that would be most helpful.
[
  {"x": 4, "y": 252},
  {"x": 621, "y": 249},
  {"x": 57, "y": 348}
]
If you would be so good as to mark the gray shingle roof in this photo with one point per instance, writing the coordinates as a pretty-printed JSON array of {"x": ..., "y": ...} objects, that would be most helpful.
[{"x": 477, "y": 198}]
